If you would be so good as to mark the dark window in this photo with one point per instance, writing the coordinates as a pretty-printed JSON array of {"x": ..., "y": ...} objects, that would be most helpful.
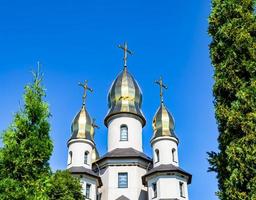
[
  {"x": 174, "y": 155},
  {"x": 182, "y": 192},
  {"x": 123, "y": 133},
  {"x": 154, "y": 187},
  {"x": 70, "y": 158},
  {"x": 87, "y": 191},
  {"x": 86, "y": 157},
  {"x": 157, "y": 155},
  {"x": 99, "y": 196},
  {"x": 123, "y": 180}
]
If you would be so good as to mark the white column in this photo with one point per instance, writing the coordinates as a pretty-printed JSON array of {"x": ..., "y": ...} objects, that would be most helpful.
[
  {"x": 134, "y": 139},
  {"x": 80, "y": 153},
  {"x": 165, "y": 151}
]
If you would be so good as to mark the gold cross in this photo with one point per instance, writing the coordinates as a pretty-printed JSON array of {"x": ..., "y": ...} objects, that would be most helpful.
[
  {"x": 94, "y": 123},
  {"x": 161, "y": 85},
  {"x": 126, "y": 50},
  {"x": 85, "y": 86}
]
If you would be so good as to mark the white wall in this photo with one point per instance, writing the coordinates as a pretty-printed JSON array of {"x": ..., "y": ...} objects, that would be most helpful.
[
  {"x": 165, "y": 145},
  {"x": 87, "y": 180},
  {"x": 78, "y": 147},
  {"x": 135, "y": 190},
  {"x": 167, "y": 187},
  {"x": 134, "y": 133}
]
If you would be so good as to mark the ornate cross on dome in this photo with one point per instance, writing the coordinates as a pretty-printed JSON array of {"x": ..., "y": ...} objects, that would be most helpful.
[
  {"x": 126, "y": 50},
  {"x": 85, "y": 86},
  {"x": 94, "y": 123},
  {"x": 161, "y": 85}
]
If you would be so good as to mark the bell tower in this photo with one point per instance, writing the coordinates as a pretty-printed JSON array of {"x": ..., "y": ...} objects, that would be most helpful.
[
  {"x": 166, "y": 170},
  {"x": 82, "y": 150},
  {"x": 125, "y": 119},
  {"x": 122, "y": 167}
]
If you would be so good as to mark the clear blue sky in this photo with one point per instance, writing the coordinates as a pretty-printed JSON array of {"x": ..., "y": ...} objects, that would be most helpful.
[{"x": 77, "y": 40}]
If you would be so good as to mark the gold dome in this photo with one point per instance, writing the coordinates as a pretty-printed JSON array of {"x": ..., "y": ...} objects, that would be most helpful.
[
  {"x": 163, "y": 123},
  {"x": 125, "y": 97},
  {"x": 82, "y": 127},
  {"x": 95, "y": 154}
]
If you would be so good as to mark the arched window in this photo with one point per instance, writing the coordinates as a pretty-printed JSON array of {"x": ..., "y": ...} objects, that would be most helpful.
[
  {"x": 174, "y": 155},
  {"x": 182, "y": 189},
  {"x": 154, "y": 188},
  {"x": 156, "y": 155},
  {"x": 88, "y": 191},
  {"x": 123, "y": 133},
  {"x": 86, "y": 157},
  {"x": 70, "y": 157}
]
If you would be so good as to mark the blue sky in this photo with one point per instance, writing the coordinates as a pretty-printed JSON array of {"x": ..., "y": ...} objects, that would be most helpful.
[{"x": 77, "y": 40}]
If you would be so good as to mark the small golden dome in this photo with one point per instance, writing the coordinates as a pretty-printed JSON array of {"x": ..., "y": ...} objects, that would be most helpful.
[
  {"x": 95, "y": 154},
  {"x": 163, "y": 123},
  {"x": 82, "y": 127},
  {"x": 125, "y": 96}
]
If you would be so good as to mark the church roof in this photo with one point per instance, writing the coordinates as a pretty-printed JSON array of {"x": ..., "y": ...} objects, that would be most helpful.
[
  {"x": 125, "y": 97},
  {"x": 82, "y": 127},
  {"x": 122, "y": 198},
  {"x": 83, "y": 170},
  {"x": 166, "y": 168},
  {"x": 95, "y": 154},
  {"x": 125, "y": 153},
  {"x": 163, "y": 123}
]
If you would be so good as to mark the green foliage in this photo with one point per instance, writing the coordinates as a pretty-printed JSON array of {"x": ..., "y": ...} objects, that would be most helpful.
[
  {"x": 64, "y": 187},
  {"x": 25, "y": 172},
  {"x": 27, "y": 144},
  {"x": 232, "y": 25}
]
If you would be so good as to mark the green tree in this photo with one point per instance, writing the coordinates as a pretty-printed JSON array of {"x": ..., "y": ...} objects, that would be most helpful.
[
  {"x": 232, "y": 26},
  {"x": 64, "y": 187},
  {"x": 25, "y": 172}
]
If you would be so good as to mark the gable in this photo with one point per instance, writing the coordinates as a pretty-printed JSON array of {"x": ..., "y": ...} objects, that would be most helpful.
[{"x": 122, "y": 198}]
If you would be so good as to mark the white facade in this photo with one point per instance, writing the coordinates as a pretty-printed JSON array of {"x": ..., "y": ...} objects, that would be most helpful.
[
  {"x": 168, "y": 187},
  {"x": 77, "y": 150},
  {"x": 80, "y": 156},
  {"x": 92, "y": 191},
  {"x": 134, "y": 139},
  {"x": 164, "y": 184},
  {"x": 134, "y": 190},
  {"x": 125, "y": 172},
  {"x": 165, "y": 151}
]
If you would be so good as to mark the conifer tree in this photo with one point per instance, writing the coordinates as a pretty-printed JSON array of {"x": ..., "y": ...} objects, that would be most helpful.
[
  {"x": 24, "y": 158},
  {"x": 232, "y": 26}
]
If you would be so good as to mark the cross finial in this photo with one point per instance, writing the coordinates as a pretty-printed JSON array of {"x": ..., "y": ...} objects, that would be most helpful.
[
  {"x": 85, "y": 87},
  {"x": 126, "y": 50},
  {"x": 161, "y": 85},
  {"x": 94, "y": 123}
]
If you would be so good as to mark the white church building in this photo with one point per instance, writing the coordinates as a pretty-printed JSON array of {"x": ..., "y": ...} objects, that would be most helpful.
[{"x": 125, "y": 172}]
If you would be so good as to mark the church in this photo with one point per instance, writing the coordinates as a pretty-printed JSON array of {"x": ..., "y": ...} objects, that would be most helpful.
[{"x": 125, "y": 172}]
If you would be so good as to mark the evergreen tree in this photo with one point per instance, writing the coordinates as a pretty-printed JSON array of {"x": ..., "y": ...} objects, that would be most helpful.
[
  {"x": 64, "y": 187},
  {"x": 25, "y": 172},
  {"x": 232, "y": 25}
]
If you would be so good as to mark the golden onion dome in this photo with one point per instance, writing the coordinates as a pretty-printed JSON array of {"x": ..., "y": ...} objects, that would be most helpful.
[
  {"x": 163, "y": 123},
  {"x": 95, "y": 155},
  {"x": 82, "y": 127},
  {"x": 125, "y": 97}
]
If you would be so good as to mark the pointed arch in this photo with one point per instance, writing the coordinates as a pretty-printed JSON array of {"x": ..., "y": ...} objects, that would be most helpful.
[
  {"x": 70, "y": 157},
  {"x": 174, "y": 157},
  {"x": 123, "y": 132},
  {"x": 157, "y": 157},
  {"x": 86, "y": 157}
]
